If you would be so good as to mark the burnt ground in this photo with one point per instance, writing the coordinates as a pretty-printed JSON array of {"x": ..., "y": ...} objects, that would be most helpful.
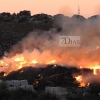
[{"x": 64, "y": 74}]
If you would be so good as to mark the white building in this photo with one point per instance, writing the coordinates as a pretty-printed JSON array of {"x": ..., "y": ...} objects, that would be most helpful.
[
  {"x": 56, "y": 90},
  {"x": 16, "y": 84}
]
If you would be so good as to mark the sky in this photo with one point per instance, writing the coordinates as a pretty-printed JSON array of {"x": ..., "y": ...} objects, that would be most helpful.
[{"x": 52, "y": 7}]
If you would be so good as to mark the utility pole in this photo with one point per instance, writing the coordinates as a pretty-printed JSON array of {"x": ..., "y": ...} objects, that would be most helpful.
[{"x": 78, "y": 10}]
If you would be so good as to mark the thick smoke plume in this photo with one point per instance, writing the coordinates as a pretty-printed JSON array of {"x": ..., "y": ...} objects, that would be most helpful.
[{"x": 43, "y": 46}]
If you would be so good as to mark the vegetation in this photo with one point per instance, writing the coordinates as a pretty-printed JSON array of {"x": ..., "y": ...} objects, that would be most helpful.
[{"x": 21, "y": 94}]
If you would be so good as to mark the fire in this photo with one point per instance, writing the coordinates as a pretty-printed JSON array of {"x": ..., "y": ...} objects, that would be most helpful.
[
  {"x": 51, "y": 62},
  {"x": 88, "y": 84},
  {"x": 5, "y": 74},
  {"x": 96, "y": 69},
  {"x": 34, "y": 62},
  {"x": 16, "y": 63},
  {"x": 79, "y": 78},
  {"x": 35, "y": 58},
  {"x": 19, "y": 59}
]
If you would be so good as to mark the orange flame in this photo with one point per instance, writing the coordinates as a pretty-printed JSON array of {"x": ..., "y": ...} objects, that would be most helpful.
[
  {"x": 19, "y": 61},
  {"x": 79, "y": 78}
]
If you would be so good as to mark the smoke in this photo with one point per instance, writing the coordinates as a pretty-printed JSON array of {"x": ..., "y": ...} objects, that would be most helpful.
[
  {"x": 43, "y": 46},
  {"x": 66, "y": 10},
  {"x": 90, "y": 78}
]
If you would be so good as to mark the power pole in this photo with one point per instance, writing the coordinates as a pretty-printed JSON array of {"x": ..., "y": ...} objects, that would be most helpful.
[{"x": 78, "y": 10}]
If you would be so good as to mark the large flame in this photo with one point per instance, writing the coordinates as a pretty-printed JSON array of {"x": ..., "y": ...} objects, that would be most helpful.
[
  {"x": 81, "y": 80},
  {"x": 17, "y": 62}
]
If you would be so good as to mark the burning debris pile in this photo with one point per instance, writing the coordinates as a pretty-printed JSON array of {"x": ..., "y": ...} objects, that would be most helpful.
[
  {"x": 60, "y": 75},
  {"x": 40, "y": 48}
]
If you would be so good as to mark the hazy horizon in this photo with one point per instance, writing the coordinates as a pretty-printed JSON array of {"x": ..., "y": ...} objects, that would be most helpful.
[{"x": 52, "y": 7}]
